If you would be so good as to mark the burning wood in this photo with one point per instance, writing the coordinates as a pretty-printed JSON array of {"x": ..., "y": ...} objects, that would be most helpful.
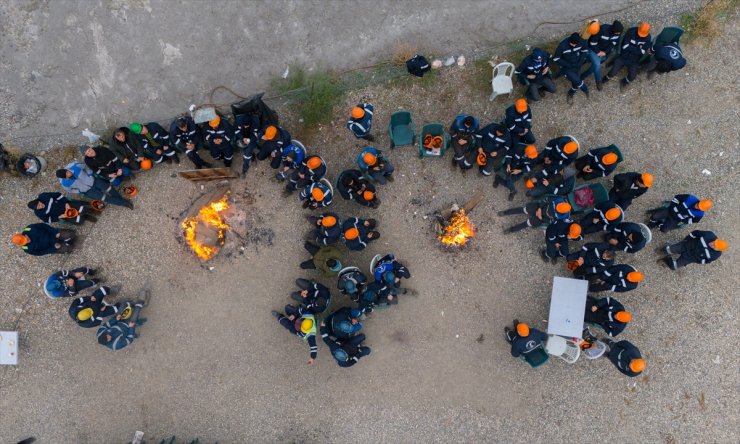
[
  {"x": 458, "y": 231},
  {"x": 205, "y": 232}
]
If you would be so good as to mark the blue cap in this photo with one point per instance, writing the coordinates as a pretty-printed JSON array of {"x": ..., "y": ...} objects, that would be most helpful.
[{"x": 355, "y": 313}]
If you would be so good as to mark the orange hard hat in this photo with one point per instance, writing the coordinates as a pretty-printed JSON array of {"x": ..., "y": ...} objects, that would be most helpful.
[
  {"x": 647, "y": 179},
  {"x": 530, "y": 151},
  {"x": 574, "y": 231},
  {"x": 131, "y": 191},
  {"x": 563, "y": 207},
  {"x": 623, "y": 316},
  {"x": 270, "y": 132},
  {"x": 522, "y": 329},
  {"x": 369, "y": 158},
  {"x": 437, "y": 142},
  {"x": 529, "y": 184},
  {"x": 570, "y": 147},
  {"x": 637, "y": 365},
  {"x": 19, "y": 239},
  {"x": 352, "y": 233},
  {"x": 145, "y": 164},
  {"x": 368, "y": 195},
  {"x": 482, "y": 159},
  {"x": 215, "y": 122},
  {"x": 720, "y": 245},
  {"x": 635, "y": 276},
  {"x": 609, "y": 158},
  {"x": 643, "y": 29},
  {"x": 593, "y": 27},
  {"x": 520, "y": 105},
  {"x": 328, "y": 221},
  {"x": 317, "y": 194},
  {"x": 704, "y": 204},
  {"x": 427, "y": 143},
  {"x": 313, "y": 162},
  {"x": 613, "y": 214},
  {"x": 358, "y": 113}
]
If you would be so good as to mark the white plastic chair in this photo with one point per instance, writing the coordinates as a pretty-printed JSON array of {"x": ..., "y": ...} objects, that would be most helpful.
[
  {"x": 501, "y": 82},
  {"x": 596, "y": 350},
  {"x": 563, "y": 348}
]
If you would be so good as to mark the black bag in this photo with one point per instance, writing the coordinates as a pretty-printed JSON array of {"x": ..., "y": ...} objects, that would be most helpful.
[
  {"x": 418, "y": 65},
  {"x": 254, "y": 106}
]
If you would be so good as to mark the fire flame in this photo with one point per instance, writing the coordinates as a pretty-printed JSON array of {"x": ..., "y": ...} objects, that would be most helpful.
[
  {"x": 458, "y": 231},
  {"x": 209, "y": 215}
]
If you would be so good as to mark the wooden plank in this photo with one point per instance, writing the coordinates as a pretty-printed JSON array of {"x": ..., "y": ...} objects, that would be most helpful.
[{"x": 206, "y": 174}]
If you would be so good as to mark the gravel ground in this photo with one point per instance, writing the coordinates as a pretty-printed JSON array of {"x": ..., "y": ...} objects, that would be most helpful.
[{"x": 211, "y": 362}]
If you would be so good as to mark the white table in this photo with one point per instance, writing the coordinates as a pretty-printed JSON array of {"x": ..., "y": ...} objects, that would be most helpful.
[
  {"x": 8, "y": 348},
  {"x": 567, "y": 307}
]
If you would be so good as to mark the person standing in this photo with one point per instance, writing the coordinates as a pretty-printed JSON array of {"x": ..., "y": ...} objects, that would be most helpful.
[
  {"x": 619, "y": 278},
  {"x": 684, "y": 209},
  {"x": 699, "y": 247},
  {"x": 629, "y": 186},
  {"x": 608, "y": 313},
  {"x": 626, "y": 357}
]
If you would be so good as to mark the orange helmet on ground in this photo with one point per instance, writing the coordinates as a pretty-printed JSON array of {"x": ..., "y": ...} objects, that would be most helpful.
[{"x": 145, "y": 164}]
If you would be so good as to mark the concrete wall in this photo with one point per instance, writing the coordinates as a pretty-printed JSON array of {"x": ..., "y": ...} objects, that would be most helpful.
[{"x": 71, "y": 64}]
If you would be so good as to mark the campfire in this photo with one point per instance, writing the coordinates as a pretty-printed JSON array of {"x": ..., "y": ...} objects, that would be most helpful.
[
  {"x": 205, "y": 231},
  {"x": 458, "y": 231},
  {"x": 453, "y": 226}
]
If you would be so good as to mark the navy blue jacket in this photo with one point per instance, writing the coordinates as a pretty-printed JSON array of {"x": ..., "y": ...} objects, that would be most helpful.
[
  {"x": 620, "y": 233},
  {"x": 334, "y": 344},
  {"x": 599, "y": 169},
  {"x": 43, "y": 237},
  {"x": 554, "y": 151},
  {"x": 671, "y": 53},
  {"x": 361, "y": 241},
  {"x": 191, "y": 135},
  {"x": 634, "y": 46},
  {"x": 281, "y": 139},
  {"x": 625, "y": 187},
  {"x": 570, "y": 57},
  {"x": 361, "y": 127},
  {"x": 160, "y": 138},
  {"x": 492, "y": 142},
  {"x": 523, "y": 345},
  {"x": 557, "y": 233},
  {"x": 517, "y": 160},
  {"x": 591, "y": 253},
  {"x": 55, "y": 205},
  {"x": 698, "y": 249},
  {"x": 615, "y": 279},
  {"x": 621, "y": 354},
  {"x": 606, "y": 308},
  {"x": 682, "y": 209},
  {"x": 457, "y": 129},
  {"x": 246, "y": 127},
  {"x": 224, "y": 131},
  {"x": 529, "y": 66},
  {"x": 517, "y": 122},
  {"x": 605, "y": 40},
  {"x": 599, "y": 212},
  {"x": 312, "y": 175}
]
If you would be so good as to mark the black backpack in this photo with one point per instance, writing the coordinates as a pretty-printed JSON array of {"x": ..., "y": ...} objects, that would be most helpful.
[
  {"x": 418, "y": 65},
  {"x": 254, "y": 106}
]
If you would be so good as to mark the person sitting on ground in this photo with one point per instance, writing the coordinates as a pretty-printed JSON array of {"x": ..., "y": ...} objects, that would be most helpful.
[
  {"x": 91, "y": 311},
  {"x": 684, "y": 209},
  {"x": 603, "y": 217},
  {"x": 311, "y": 170},
  {"x": 155, "y": 142},
  {"x": 626, "y": 357},
  {"x": 358, "y": 233},
  {"x": 53, "y": 207},
  {"x": 667, "y": 57},
  {"x": 346, "y": 352},
  {"x": 352, "y": 185},
  {"x": 104, "y": 164},
  {"x": 570, "y": 55},
  {"x": 218, "y": 135},
  {"x": 361, "y": 120},
  {"x": 376, "y": 293},
  {"x": 463, "y": 137},
  {"x": 246, "y": 135},
  {"x": 626, "y": 236},
  {"x": 591, "y": 259},
  {"x": 291, "y": 158},
  {"x": 344, "y": 323},
  {"x": 560, "y": 184},
  {"x": 629, "y": 186},
  {"x": 635, "y": 44},
  {"x": 186, "y": 137},
  {"x": 534, "y": 70},
  {"x": 43, "y": 239},
  {"x": 328, "y": 260},
  {"x": 317, "y": 195},
  {"x": 372, "y": 162},
  {"x": 495, "y": 142},
  {"x": 120, "y": 330},
  {"x": 389, "y": 271},
  {"x": 67, "y": 283},
  {"x": 302, "y": 324},
  {"x": 557, "y": 237},
  {"x": 271, "y": 142},
  {"x": 328, "y": 231},
  {"x": 77, "y": 178},
  {"x": 619, "y": 278},
  {"x": 313, "y": 297},
  {"x": 127, "y": 148},
  {"x": 519, "y": 161},
  {"x": 352, "y": 282},
  {"x": 519, "y": 122},
  {"x": 560, "y": 151},
  {"x": 598, "y": 162},
  {"x": 699, "y": 247},
  {"x": 541, "y": 212},
  {"x": 608, "y": 313},
  {"x": 601, "y": 44},
  {"x": 523, "y": 339}
]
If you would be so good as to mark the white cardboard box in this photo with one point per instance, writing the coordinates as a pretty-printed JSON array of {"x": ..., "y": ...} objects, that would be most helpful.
[{"x": 8, "y": 348}]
